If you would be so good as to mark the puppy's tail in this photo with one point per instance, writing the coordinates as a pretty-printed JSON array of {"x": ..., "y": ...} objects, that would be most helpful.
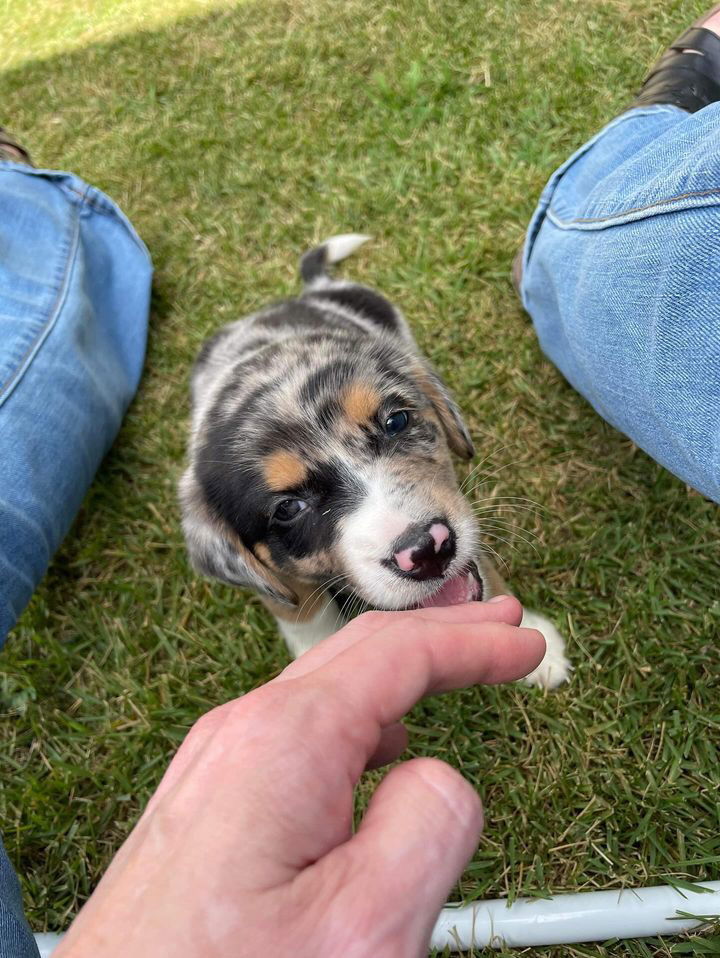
[{"x": 314, "y": 264}]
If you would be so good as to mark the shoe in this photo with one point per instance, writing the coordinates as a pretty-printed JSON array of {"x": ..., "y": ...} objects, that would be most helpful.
[
  {"x": 688, "y": 73},
  {"x": 689, "y": 80},
  {"x": 12, "y": 151}
]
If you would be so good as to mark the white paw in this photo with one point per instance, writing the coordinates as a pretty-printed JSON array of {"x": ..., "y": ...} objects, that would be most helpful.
[{"x": 555, "y": 668}]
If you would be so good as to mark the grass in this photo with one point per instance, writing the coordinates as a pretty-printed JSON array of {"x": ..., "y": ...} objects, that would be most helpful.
[
  {"x": 42, "y": 30},
  {"x": 233, "y": 141}
]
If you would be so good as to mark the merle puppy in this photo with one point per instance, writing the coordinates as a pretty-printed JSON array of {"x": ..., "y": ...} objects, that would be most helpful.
[{"x": 320, "y": 465}]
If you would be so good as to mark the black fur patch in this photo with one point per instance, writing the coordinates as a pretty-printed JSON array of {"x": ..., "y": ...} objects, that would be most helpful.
[
  {"x": 233, "y": 492},
  {"x": 313, "y": 264},
  {"x": 336, "y": 486},
  {"x": 331, "y": 376},
  {"x": 331, "y": 493},
  {"x": 288, "y": 434},
  {"x": 364, "y": 301},
  {"x": 298, "y": 314},
  {"x": 246, "y": 404},
  {"x": 327, "y": 413}
]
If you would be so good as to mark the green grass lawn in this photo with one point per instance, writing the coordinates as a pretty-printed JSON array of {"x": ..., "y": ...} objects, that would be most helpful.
[
  {"x": 41, "y": 29},
  {"x": 234, "y": 141}
]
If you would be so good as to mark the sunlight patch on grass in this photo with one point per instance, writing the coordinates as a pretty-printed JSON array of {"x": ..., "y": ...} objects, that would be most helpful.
[{"x": 36, "y": 31}]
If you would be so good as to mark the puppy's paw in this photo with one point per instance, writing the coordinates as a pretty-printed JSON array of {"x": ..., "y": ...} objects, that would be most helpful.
[{"x": 555, "y": 668}]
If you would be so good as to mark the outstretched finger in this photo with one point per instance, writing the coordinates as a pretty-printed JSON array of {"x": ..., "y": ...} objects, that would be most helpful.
[
  {"x": 501, "y": 609},
  {"x": 372, "y": 684}
]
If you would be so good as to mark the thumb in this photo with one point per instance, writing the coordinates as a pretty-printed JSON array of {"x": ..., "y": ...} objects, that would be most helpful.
[{"x": 420, "y": 830}]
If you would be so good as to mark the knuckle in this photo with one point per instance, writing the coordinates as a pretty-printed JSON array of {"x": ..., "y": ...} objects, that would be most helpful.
[{"x": 207, "y": 724}]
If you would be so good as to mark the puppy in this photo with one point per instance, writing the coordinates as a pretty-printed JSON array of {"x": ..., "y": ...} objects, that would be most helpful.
[{"x": 320, "y": 465}]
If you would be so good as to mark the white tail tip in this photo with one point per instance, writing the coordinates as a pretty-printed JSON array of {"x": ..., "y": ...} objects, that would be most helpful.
[{"x": 338, "y": 247}]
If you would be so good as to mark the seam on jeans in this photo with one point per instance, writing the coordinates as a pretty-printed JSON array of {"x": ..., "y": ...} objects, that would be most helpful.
[
  {"x": 93, "y": 202},
  {"x": 98, "y": 202},
  {"x": 48, "y": 325},
  {"x": 634, "y": 209},
  {"x": 544, "y": 207},
  {"x": 56, "y": 177}
]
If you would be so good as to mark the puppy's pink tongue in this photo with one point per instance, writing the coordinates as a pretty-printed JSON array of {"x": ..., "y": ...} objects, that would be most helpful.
[{"x": 459, "y": 589}]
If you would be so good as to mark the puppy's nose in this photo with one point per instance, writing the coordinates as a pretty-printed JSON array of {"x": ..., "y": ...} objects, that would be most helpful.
[{"x": 425, "y": 551}]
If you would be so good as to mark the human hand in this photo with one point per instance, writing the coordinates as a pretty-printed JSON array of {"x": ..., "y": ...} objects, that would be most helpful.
[{"x": 247, "y": 846}]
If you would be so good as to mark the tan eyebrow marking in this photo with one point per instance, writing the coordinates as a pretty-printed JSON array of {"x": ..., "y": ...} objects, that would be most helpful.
[
  {"x": 284, "y": 470},
  {"x": 360, "y": 402}
]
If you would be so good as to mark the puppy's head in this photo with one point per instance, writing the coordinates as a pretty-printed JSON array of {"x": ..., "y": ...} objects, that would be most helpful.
[{"x": 338, "y": 472}]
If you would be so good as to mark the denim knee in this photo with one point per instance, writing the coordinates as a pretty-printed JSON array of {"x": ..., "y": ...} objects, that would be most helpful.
[{"x": 74, "y": 300}]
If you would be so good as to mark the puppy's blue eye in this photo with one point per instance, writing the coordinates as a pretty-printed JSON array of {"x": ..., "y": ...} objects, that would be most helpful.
[
  {"x": 288, "y": 510},
  {"x": 396, "y": 423}
]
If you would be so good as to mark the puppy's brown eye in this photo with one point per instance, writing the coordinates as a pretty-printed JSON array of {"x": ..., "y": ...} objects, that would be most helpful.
[
  {"x": 288, "y": 510},
  {"x": 396, "y": 423}
]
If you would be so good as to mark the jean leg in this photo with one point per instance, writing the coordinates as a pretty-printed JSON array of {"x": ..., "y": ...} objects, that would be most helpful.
[
  {"x": 74, "y": 302},
  {"x": 622, "y": 281},
  {"x": 16, "y": 940}
]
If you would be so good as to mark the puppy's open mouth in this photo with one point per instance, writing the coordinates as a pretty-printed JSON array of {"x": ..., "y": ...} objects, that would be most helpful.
[{"x": 464, "y": 587}]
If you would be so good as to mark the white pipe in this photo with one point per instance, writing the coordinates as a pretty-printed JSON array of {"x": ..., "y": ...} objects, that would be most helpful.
[
  {"x": 567, "y": 919},
  {"x": 563, "y": 920},
  {"x": 46, "y": 944}
]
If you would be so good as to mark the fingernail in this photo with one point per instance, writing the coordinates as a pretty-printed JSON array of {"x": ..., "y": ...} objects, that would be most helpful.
[{"x": 497, "y": 598}]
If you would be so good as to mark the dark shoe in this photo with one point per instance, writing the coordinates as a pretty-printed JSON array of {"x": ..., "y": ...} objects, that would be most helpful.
[
  {"x": 690, "y": 80},
  {"x": 12, "y": 151}
]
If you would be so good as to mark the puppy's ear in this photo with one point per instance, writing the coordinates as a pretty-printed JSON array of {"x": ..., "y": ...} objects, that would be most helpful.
[
  {"x": 456, "y": 432},
  {"x": 216, "y": 551}
]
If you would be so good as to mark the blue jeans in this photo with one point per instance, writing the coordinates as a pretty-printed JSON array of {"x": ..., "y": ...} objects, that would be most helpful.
[
  {"x": 16, "y": 940},
  {"x": 621, "y": 277},
  {"x": 74, "y": 303},
  {"x": 74, "y": 299}
]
